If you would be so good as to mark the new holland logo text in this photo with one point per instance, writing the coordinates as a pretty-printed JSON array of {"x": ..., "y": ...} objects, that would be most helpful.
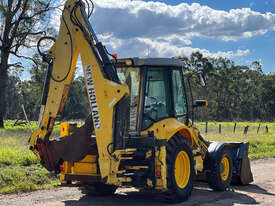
[{"x": 91, "y": 90}]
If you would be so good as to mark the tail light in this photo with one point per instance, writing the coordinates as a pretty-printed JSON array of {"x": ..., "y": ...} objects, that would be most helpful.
[
  {"x": 61, "y": 168},
  {"x": 158, "y": 171}
]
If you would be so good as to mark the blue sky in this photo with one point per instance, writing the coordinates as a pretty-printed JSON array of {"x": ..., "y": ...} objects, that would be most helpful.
[
  {"x": 241, "y": 30},
  {"x": 261, "y": 46}
]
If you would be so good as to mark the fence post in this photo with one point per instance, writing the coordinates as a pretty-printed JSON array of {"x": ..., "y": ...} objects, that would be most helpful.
[
  {"x": 245, "y": 130},
  {"x": 220, "y": 128},
  {"x": 206, "y": 127},
  {"x": 235, "y": 127},
  {"x": 258, "y": 128},
  {"x": 266, "y": 129}
]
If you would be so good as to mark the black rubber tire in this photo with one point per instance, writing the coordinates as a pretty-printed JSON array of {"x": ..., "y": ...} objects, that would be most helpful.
[
  {"x": 174, "y": 193},
  {"x": 98, "y": 189},
  {"x": 213, "y": 174}
]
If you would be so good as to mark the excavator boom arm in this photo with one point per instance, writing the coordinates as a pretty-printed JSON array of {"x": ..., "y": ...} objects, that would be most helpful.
[{"x": 76, "y": 36}]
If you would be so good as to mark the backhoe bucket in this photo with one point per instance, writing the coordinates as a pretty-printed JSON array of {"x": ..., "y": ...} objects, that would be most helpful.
[
  {"x": 242, "y": 174},
  {"x": 70, "y": 148}
]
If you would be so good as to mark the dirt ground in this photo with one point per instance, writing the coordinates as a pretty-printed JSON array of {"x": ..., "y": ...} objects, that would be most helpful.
[{"x": 261, "y": 192}]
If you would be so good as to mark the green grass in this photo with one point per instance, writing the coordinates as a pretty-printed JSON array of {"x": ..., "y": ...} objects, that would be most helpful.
[
  {"x": 20, "y": 169},
  {"x": 9, "y": 125},
  {"x": 21, "y": 179},
  {"x": 261, "y": 144}
]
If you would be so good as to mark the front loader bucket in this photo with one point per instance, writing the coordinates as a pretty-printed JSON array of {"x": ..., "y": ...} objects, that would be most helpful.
[{"x": 242, "y": 174}]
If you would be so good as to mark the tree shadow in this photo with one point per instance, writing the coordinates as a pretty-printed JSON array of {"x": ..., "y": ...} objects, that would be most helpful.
[
  {"x": 252, "y": 188},
  {"x": 201, "y": 195}
]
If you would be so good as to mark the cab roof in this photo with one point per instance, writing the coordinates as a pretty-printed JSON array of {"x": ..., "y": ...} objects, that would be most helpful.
[{"x": 139, "y": 62}]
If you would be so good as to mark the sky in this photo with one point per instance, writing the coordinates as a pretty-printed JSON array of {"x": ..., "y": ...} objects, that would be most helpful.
[{"x": 240, "y": 30}]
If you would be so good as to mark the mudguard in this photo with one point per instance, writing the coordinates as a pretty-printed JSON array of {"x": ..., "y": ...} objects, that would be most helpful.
[
  {"x": 213, "y": 149},
  {"x": 241, "y": 173}
]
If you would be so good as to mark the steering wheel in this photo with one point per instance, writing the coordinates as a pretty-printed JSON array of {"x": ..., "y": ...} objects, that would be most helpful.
[
  {"x": 151, "y": 105},
  {"x": 151, "y": 102}
]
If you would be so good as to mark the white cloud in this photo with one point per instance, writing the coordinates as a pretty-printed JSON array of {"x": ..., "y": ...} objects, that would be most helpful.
[
  {"x": 132, "y": 28},
  {"x": 129, "y": 19},
  {"x": 163, "y": 49},
  {"x": 160, "y": 48}
]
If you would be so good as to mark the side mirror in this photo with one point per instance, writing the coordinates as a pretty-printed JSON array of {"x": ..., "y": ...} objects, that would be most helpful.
[
  {"x": 201, "y": 80},
  {"x": 200, "y": 103}
]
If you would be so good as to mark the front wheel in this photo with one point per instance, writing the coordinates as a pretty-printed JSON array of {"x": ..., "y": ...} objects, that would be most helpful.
[
  {"x": 180, "y": 169},
  {"x": 219, "y": 175}
]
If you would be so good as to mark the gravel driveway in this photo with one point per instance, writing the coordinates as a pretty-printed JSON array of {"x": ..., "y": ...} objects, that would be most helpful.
[{"x": 261, "y": 192}]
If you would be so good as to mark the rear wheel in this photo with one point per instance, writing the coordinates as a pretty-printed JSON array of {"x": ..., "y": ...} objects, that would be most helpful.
[
  {"x": 180, "y": 169},
  {"x": 219, "y": 175},
  {"x": 98, "y": 189}
]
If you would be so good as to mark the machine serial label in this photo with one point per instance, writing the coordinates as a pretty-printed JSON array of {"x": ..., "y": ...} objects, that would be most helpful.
[{"x": 91, "y": 91}]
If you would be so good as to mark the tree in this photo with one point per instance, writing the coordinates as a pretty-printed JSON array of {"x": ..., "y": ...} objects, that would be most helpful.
[
  {"x": 20, "y": 22},
  {"x": 14, "y": 100},
  {"x": 77, "y": 105},
  {"x": 268, "y": 97},
  {"x": 235, "y": 92}
]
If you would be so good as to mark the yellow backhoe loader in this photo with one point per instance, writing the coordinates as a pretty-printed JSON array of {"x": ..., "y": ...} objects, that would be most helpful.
[{"x": 139, "y": 133}]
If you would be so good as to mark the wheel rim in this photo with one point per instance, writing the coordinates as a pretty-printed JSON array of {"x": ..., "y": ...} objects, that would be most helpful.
[
  {"x": 182, "y": 169},
  {"x": 225, "y": 168}
]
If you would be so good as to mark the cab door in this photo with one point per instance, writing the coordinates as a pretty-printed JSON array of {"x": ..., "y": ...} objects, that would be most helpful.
[{"x": 157, "y": 101}]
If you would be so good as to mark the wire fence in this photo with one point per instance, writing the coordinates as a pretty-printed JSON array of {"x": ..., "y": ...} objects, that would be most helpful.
[{"x": 235, "y": 128}]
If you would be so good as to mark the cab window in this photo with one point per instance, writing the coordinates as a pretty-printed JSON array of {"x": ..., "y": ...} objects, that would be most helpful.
[
  {"x": 178, "y": 93},
  {"x": 157, "y": 98}
]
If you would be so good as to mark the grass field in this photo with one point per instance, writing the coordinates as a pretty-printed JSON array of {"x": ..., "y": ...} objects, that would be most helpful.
[
  {"x": 261, "y": 144},
  {"x": 21, "y": 171}
]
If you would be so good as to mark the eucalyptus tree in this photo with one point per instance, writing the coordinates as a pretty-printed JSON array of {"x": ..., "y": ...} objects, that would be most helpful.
[{"x": 21, "y": 23}]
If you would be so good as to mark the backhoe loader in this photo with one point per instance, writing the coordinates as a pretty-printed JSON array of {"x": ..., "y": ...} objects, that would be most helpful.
[{"x": 139, "y": 133}]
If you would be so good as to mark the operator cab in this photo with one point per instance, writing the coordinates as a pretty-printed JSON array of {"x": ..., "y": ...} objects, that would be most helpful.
[{"x": 156, "y": 89}]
